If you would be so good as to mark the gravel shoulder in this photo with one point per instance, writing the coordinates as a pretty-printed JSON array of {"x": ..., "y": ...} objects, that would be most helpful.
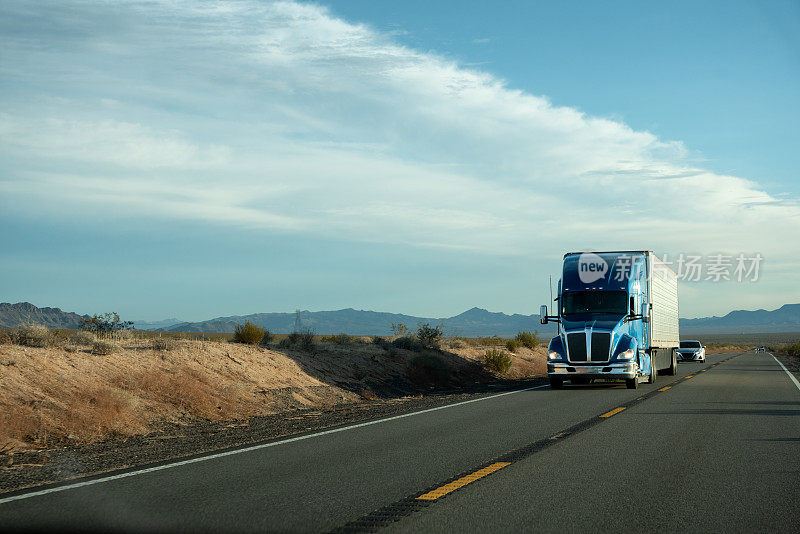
[{"x": 792, "y": 363}]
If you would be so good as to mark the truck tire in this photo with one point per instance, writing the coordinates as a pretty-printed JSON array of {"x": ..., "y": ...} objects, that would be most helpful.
[
  {"x": 556, "y": 382},
  {"x": 673, "y": 366},
  {"x": 632, "y": 383},
  {"x": 653, "y": 372}
]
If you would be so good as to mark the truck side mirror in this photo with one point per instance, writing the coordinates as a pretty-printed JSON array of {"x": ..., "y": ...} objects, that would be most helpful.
[
  {"x": 543, "y": 315},
  {"x": 645, "y": 312}
]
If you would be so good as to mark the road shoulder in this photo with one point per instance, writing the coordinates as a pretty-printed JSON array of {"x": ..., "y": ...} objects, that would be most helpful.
[
  {"x": 173, "y": 442},
  {"x": 791, "y": 363}
]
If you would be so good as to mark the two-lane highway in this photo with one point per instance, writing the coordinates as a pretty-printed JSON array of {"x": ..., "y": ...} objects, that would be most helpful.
[{"x": 717, "y": 451}]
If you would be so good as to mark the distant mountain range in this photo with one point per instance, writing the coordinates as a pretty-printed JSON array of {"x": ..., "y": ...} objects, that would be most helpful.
[
  {"x": 26, "y": 313},
  {"x": 784, "y": 319},
  {"x": 471, "y": 323},
  {"x": 474, "y": 322},
  {"x": 155, "y": 325},
  {"x": 12, "y": 315}
]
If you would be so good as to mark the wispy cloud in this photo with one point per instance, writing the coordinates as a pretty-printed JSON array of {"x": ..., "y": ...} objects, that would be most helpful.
[{"x": 282, "y": 117}]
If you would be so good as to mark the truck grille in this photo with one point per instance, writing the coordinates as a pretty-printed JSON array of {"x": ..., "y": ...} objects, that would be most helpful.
[
  {"x": 600, "y": 345},
  {"x": 576, "y": 344}
]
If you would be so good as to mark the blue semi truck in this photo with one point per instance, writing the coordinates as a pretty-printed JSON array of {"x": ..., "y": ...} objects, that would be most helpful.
[{"x": 617, "y": 315}]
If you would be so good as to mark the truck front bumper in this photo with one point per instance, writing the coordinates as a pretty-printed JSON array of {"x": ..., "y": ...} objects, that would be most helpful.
[{"x": 611, "y": 371}]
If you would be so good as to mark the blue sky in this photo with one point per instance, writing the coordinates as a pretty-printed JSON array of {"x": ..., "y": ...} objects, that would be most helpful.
[{"x": 191, "y": 160}]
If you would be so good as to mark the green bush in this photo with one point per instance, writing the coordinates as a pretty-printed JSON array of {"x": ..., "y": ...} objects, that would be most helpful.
[
  {"x": 248, "y": 333},
  {"x": 497, "y": 360},
  {"x": 528, "y": 339},
  {"x": 105, "y": 323},
  {"x": 513, "y": 344},
  {"x": 104, "y": 348},
  {"x": 429, "y": 335},
  {"x": 489, "y": 341},
  {"x": 33, "y": 335}
]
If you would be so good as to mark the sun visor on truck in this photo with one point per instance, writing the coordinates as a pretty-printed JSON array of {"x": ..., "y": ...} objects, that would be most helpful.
[{"x": 605, "y": 271}]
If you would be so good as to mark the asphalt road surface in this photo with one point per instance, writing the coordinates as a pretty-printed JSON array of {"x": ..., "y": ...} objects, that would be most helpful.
[{"x": 717, "y": 450}]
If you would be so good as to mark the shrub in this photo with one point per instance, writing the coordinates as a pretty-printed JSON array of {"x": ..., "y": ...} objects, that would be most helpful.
[
  {"x": 104, "y": 348},
  {"x": 5, "y": 339},
  {"x": 497, "y": 360},
  {"x": 248, "y": 333},
  {"x": 105, "y": 323},
  {"x": 33, "y": 335},
  {"x": 793, "y": 349},
  {"x": 164, "y": 343},
  {"x": 344, "y": 339},
  {"x": 528, "y": 339},
  {"x": 266, "y": 339},
  {"x": 428, "y": 368},
  {"x": 429, "y": 335},
  {"x": 489, "y": 341},
  {"x": 399, "y": 329},
  {"x": 303, "y": 340},
  {"x": 340, "y": 339},
  {"x": 456, "y": 343},
  {"x": 513, "y": 344},
  {"x": 408, "y": 343},
  {"x": 82, "y": 337}
]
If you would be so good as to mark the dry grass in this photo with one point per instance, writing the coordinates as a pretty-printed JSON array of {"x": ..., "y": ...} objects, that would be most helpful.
[
  {"x": 33, "y": 335},
  {"x": 104, "y": 348},
  {"x": 50, "y": 396},
  {"x": 163, "y": 343},
  {"x": 82, "y": 337}
]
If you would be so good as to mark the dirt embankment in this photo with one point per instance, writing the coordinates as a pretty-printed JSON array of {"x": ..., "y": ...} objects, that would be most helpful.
[{"x": 54, "y": 396}]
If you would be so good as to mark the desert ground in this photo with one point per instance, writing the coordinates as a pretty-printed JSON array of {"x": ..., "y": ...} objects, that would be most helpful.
[{"x": 70, "y": 393}]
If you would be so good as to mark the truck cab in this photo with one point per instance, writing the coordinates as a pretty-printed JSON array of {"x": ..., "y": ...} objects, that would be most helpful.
[{"x": 605, "y": 305}]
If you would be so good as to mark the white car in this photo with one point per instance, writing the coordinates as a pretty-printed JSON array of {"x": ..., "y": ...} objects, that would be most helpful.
[{"x": 692, "y": 351}]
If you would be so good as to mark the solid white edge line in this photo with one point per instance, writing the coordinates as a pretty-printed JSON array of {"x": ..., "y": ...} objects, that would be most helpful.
[
  {"x": 796, "y": 383},
  {"x": 248, "y": 449}
]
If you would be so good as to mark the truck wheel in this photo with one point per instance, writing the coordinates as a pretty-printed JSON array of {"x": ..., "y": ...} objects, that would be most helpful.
[
  {"x": 653, "y": 372},
  {"x": 673, "y": 367},
  {"x": 556, "y": 382},
  {"x": 632, "y": 383}
]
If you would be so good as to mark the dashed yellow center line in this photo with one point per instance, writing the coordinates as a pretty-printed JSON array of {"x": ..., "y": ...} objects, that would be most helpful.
[
  {"x": 665, "y": 388},
  {"x": 461, "y": 482},
  {"x": 613, "y": 412},
  {"x": 690, "y": 376}
]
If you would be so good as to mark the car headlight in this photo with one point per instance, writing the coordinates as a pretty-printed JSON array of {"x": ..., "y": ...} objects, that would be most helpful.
[
  {"x": 553, "y": 355},
  {"x": 626, "y": 355}
]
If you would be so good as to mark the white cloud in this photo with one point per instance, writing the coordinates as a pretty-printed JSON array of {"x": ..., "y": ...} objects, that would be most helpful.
[{"x": 282, "y": 117}]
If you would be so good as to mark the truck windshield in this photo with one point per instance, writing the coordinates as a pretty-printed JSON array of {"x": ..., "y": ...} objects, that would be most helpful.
[
  {"x": 594, "y": 302},
  {"x": 690, "y": 344}
]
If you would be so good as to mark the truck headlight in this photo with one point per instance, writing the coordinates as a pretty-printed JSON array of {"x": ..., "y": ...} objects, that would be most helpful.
[
  {"x": 553, "y": 355},
  {"x": 626, "y": 355}
]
